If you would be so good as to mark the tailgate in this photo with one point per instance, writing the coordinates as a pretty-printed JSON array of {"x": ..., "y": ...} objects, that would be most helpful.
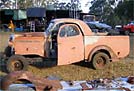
[{"x": 120, "y": 45}]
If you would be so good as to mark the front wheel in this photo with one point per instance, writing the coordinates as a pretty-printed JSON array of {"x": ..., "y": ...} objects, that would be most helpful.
[
  {"x": 16, "y": 63},
  {"x": 100, "y": 60}
]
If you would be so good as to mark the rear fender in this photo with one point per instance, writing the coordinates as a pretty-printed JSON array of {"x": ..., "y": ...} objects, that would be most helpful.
[{"x": 102, "y": 48}]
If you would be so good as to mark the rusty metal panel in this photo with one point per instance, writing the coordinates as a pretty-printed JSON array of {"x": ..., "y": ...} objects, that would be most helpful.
[{"x": 45, "y": 84}]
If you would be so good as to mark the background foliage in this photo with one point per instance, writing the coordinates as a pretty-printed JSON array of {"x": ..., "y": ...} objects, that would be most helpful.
[{"x": 113, "y": 12}]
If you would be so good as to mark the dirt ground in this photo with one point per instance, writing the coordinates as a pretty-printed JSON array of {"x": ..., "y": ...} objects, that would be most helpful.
[{"x": 79, "y": 71}]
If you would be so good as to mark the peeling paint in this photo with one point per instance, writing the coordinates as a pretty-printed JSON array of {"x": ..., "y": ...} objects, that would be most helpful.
[{"x": 89, "y": 40}]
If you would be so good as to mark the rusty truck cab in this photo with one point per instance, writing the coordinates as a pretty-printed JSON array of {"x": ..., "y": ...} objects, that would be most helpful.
[{"x": 65, "y": 41}]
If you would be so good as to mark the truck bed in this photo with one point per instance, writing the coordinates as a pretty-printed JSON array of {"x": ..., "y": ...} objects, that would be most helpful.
[{"x": 118, "y": 45}]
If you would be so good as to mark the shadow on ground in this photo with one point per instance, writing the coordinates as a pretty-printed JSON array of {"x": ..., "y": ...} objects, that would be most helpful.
[{"x": 2, "y": 63}]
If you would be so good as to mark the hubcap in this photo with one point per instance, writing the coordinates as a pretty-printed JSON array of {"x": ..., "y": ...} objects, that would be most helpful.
[
  {"x": 16, "y": 65},
  {"x": 100, "y": 62}
]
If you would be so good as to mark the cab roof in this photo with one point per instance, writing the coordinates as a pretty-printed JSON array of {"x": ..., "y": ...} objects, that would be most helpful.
[{"x": 85, "y": 28}]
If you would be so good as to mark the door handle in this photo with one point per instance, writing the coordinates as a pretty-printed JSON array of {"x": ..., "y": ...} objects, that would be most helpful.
[
  {"x": 59, "y": 43},
  {"x": 73, "y": 47}
]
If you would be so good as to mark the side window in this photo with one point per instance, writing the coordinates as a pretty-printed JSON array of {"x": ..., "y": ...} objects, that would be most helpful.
[
  {"x": 63, "y": 31},
  {"x": 69, "y": 30}
]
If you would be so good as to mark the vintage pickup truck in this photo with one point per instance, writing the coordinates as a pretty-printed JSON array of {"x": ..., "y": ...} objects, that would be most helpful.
[{"x": 65, "y": 41}]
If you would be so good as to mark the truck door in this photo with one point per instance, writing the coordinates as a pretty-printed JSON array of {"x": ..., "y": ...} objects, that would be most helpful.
[{"x": 70, "y": 44}]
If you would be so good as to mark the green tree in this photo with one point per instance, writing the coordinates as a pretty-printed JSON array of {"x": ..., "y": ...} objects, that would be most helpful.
[
  {"x": 125, "y": 11},
  {"x": 102, "y": 9},
  {"x": 23, "y": 4},
  {"x": 113, "y": 13}
]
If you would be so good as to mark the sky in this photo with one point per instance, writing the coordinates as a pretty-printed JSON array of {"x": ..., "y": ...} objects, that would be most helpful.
[{"x": 85, "y": 8}]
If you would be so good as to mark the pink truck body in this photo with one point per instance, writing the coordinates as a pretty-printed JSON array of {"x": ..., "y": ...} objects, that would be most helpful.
[{"x": 80, "y": 43}]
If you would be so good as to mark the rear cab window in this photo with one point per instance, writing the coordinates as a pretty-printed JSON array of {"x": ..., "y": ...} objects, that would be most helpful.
[{"x": 69, "y": 30}]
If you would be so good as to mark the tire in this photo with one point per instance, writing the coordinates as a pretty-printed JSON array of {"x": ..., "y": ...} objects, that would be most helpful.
[
  {"x": 126, "y": 32},
  {"x": 100, "y": 60},
  {"x": 8, "y": 51},
  {"x": 16, "y": 63}
]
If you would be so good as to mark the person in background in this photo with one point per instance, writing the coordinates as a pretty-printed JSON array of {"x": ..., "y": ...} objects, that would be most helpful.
[{"x": 11, "y": 26}]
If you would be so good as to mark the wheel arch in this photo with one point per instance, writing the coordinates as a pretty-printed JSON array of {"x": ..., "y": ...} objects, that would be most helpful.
[{"x": 104, "y": 49}]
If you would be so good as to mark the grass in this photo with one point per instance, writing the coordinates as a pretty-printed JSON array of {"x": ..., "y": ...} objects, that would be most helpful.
[{"x": 78, "y": 71}]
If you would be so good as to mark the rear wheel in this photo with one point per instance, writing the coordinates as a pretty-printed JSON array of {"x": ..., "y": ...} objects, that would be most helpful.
[
  {"x": 16, "y": 63},
  {"x": 100, "y": 60}
]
